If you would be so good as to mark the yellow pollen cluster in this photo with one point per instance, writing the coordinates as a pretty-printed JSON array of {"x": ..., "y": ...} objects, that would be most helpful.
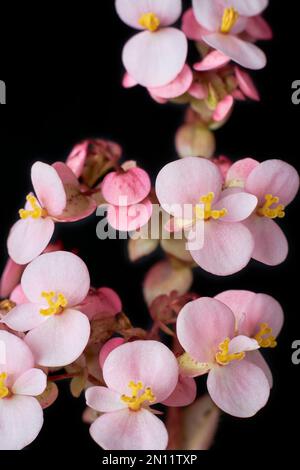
[
  {"x": 56, "y": 303},
  {"x": 36, "y": 212},
  {"x": 139, "y": 395},
  {"x": 230, "y": 17},
  {"x": 205, "y": 213},
  {"x": 3, "y": 389},
  {"x": 149, "y": 21},
  {"x": 223, "y": 357},
  {"x": 271, "y": 213},
  {"x": 264, "y": 337}
]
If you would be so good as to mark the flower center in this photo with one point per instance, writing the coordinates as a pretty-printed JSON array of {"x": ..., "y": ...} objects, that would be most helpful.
[
  {"x": 56, "y": 303},
  {"x": 223, "y": 357},
  {"x": 36, "y": 211},
  {"x": 230, "y": 17},
  {"x": 264, "y": 337},
  {"x": 7, "y": 305},
  {"x": 271, "y": 213},
  {"x": 139, "y": 395},
  {"x": 205, "y": 212},
  {"x": 3, "y": 389},
  {"x": 149, "y": 21}
]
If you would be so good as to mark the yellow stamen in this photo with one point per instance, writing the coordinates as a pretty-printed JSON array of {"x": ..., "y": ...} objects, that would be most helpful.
[
  {"x": 265, "y": 338},
  {"x": 56, "y": 303},
  {"x": 36, "y": 213},
  {"x": 139, "y": 395},
  {"x": 223, "y": 357},
  {"x": 230, "y": 17},
  {"x": 7, "y": 305},
  {"x": 149, "y": 21},
  {"x": 3, "y": 389},
  {"x": 205, "y": 213},
  {"x": 266, "y": 211}
]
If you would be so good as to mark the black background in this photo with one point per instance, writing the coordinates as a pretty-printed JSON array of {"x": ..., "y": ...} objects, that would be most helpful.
[{"x": 63, "y": 70}]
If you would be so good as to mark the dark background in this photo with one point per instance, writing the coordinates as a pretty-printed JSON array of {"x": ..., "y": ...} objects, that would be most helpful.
[{"x": 63, "y": 72}]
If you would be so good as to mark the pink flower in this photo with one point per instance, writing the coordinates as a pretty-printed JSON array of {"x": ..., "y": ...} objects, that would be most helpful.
[
  {"x": 206, "y": 329},
  {"x": 221, "y": 22},
  {"x": 225, "y": 245},
  {"x": 137, "y": 374},
  {"x": 21, "y": 415},
  {"x": 258, "y": 316},
  {"x": 127, "y": 193},
  {"x": 155, "y": 56},
  {"x": 54, "y": 284},
  {"x": 10, "y": 277},
  {"x": 275, "y": 184},
  {"x": 58, "y": 199}
]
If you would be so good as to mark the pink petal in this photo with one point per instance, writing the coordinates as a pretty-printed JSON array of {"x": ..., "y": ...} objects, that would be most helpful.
[
  {"x": 125, "y": 189},
  {"x": 244, "y": 53},
  {"x": 79, "y": 206},
  {"x": 66, "y": 174},
  {"x": 21, "y": 419},
  {"x": 273, "y": 177},
  {"x": 60, "y": 340},
  {"x": 145, "y": 361},
  {"x": 227, "y": 248},
  {"x": 238, "y": 301},
  {"x": 129, "y": 218},
  {"x": 209, "y": 13},
  {"x": 242, "y": 343},
  {"x": 202, "y": 325},
  {"x": 155, "y": 59},
  {"x": 130, "y": 11},
  {"x": 61, "y": 272},
  {"x": 108, "y": 347},
  {"x": 191, "y": 28},
  {"x": 48, "y": 188},
  {"x": 18, "y": 295},
  {"x": 15, "y": 356},
  {"x": 262, "y": 309},
  {"x": 240, "y": 389},
  {"x": 177, "y": 87},
  {"x": 171, "y": 185},
  {"x": 258, "y": 28},
  {"x": 24, "y": 317},
  {"x": 28, "y": 238},
  {"x": 127, "y": 430},
  {"x": 249, "y": 7},
  {"x": 239, "y": 206},
  {"x": 213, "y": 60},
  {"x": 103, "y": 399},
  {"x": 239, "y": 172},
  {"x": 10, "y": 277},
  {"x": 33, "y": 382},
  {"x": 101, "y": 303},
  {"x": 270, "y": 243},
  {"x": 77, "y": 157},
  {"x": 199, "y": 91},
  {"x": 223, "y": 108},
  {"x": 184, "y": 393},
  {"x": 257, "y": 358},
  {"x": 128, "y": 81},
  {"x": 246, "y": 84}
]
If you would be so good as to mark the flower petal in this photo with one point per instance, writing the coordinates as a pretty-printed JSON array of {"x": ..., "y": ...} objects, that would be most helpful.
[
  {"x": 108, "y": 347},
  {"x": 21, "y": 419},
  {"x": 244, "y": 53},
  {"x": 213, "y": 60},
  {"x": 227, "y": 248},
  {"x": 130, "y": 11},
  {"x": 190, "y": 26},
  {"x": 60, "y": 340},
  {"x": 273, "y": 177},
  {"x": 15, "y": 356},
  {"x": 239, "y": 206},
  {"x": 257, "y": 358},
  {"x": 145, "y": 361},
  {"x": 103, "y": 399},
  {"x": 10, "y": 277},
  {"x": 223, "y": 108},
  {"x": 246, "y": 84},
  {"x": 155, "y": 59},
  {"x": 33, "y": 382},
  {"x": 262, "y": 309},
  {"x": 208, "y": 13},
  {"x": 238, "y": 301},
  {"x": 79, "y": 206},
  {"x": 184, "y": 394},
  {"x": 28, "y": 238},
  {"x": 48, "y": 188},
  {"x": 24, "y": 317},
  {"x": 127, "y": 430},
  {"x": 242, "y": 343},
  {"x": 177, "y": 87},
  {"x": 240, "y": 389},
  {"x": 239, "y": 172},
  {"x": 202, "y": 325},
  {"x": 172, "y": 189},
  {"x": 126, "y": 188},
  {"x": 249, "y": 7},
  {"x": 127, "y": 219},
  {"x": 271, "y": 246},
  {"x": 258, "y": 28},
  {"x": 61, "y": 272}
]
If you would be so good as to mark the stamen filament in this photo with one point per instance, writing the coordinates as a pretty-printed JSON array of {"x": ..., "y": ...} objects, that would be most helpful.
[
  {"x": 149, "y": 21},
  {"x": 136, "y": 400}
]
